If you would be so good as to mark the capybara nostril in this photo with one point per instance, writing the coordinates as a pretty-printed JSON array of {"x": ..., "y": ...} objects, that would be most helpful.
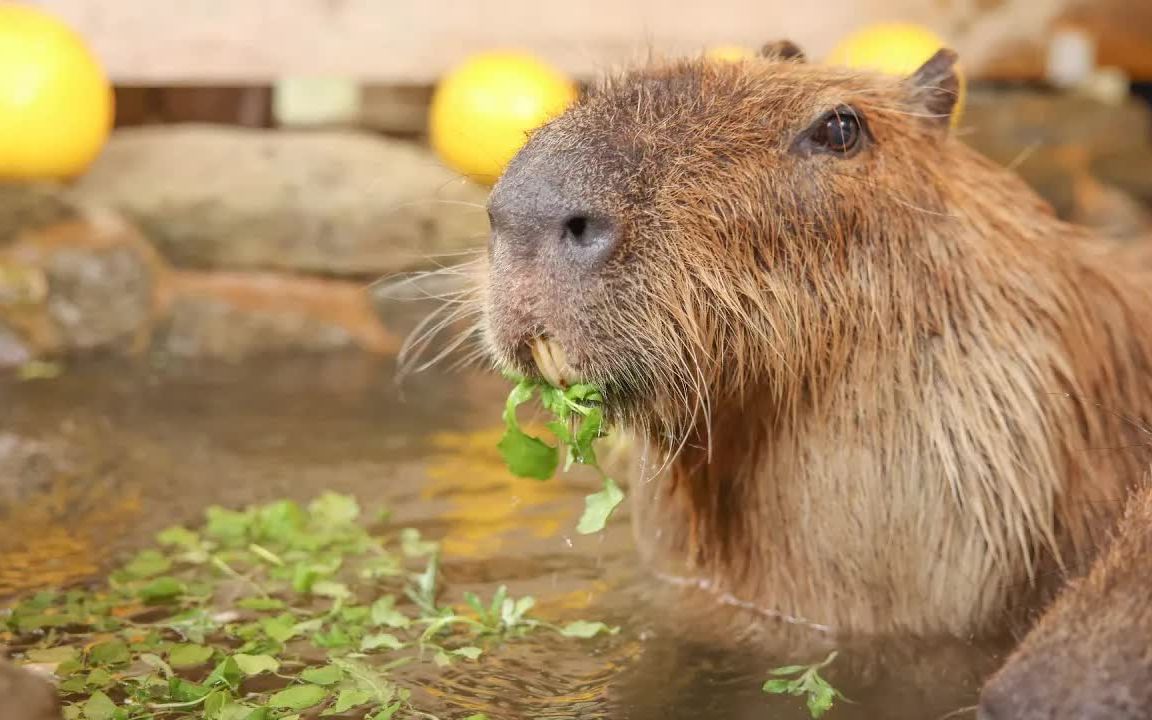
[
  {"x": 588, "y": 239},
  {"x": 533, "y": 215}
]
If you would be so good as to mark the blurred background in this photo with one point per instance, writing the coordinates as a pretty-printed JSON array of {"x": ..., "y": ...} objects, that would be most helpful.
[{"x": 291, "y": 138}]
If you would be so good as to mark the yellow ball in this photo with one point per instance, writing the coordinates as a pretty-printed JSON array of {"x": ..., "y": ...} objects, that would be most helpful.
[
  {"x": 895, "y": 49},
  {"x": 729, "y": 53},
  {"x": 56, "y": 104},
  {"x": 483, "y": 110}
]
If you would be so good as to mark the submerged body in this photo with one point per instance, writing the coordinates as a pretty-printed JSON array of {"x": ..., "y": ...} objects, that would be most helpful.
[
  {"x": 1090, "y": 656},
  {"x": 883, "y": 387}
]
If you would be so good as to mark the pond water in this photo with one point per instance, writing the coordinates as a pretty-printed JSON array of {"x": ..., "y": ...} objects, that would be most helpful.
[{"x": 110, "y": 453}]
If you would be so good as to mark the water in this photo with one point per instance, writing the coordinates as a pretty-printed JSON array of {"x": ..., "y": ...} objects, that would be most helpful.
[{"x": 112, "y": 452}]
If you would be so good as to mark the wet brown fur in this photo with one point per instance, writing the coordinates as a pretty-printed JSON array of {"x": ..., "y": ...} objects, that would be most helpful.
[
  {"x": 1090, "y": 656},
  {"x": 886, "y": 392}
]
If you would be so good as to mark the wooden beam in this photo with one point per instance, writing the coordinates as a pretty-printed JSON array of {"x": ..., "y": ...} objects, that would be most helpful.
[{"x": 236, "y": 42}]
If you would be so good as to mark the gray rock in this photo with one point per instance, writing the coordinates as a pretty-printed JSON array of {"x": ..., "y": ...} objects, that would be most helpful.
[
  {"x": 322, "y": 201},
  {"x": 210, "y": 327},
  {"x": 99, "y": 297},
  {"x": 27, "y": 206},
  {"x": 1039, "y": 134}
]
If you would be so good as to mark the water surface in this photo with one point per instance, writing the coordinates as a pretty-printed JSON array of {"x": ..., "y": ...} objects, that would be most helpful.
[{"x": 93, "y": 463}]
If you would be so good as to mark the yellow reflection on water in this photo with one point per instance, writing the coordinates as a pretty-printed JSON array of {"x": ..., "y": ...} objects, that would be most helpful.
[{"x": 487, "y": 504}]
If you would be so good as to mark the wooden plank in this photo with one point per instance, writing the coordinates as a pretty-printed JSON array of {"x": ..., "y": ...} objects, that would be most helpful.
[{"x": 244, "y": 42}]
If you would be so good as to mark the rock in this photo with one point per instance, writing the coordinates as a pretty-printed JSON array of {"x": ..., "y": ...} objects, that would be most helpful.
[
  {"x": 234, "y": 316},
  {"x": 27, "y": 206},
  {"x": 328, "y": 202},
  {"x": 99, "y": 297},
  {"x": 1032, "y": 132},
  {"x": 74, "y": 286}
]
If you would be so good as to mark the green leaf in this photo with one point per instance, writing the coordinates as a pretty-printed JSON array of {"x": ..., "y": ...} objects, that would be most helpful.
[
  {"x": 157, "y": 663},
  {"x": 820, "y": 700},
  {"x": 259, "y": 603},
  {"x": 189, "y": 655},
  {"x": 384, "y": 612},
  {"x": 468, "y": 651},
  {"x": 238, "y": 711},
  {"x": 256, "y": 664},
  {"x": 281, "y": 628},
  {"x": 348, "y": 698},
  {"x": 334, "y": 510},
  {"x": 388, "y": 712},
  {"x": 179, "y": 537},
  {"x": 227, "y": 672},
  {"x": 51, "y": 655},
  {"x": 326, "y": 675},
  {"x": 147, "y": 563},
  {"x": 280, "y": 521},
  {"x": 525, "y": 455},
  {"x": 98, "y": 678},
  {"x": 414, "y": 546},
  {"x": 788, "y": 670},
  {"x": 181, "y": 690},
  {"x": 585, "y": 629},
  {"x": 298, "y": 697},
  {"x": 161, "y": 590},
  {"x": 334, "y": 637},
  {"x": 214, "y": 703},
  {"x": 227, "y": 526},
  {"x": 587, "y": 434},
  {"x": 778, "y": 687},
  {"x": 598, "y": 507},
  {"x": 329, "y": 589},
  {"x": 113, "y": 652},
  {"x": 99, "y": 707},
  {"x": 380, "y": 640},
  {"x": 528, "y": 456},
  {"x": 477, "y": 716}
]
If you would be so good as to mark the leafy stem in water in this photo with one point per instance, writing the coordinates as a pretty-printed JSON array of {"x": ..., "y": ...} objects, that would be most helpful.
[{"x": 806, "y": 681}]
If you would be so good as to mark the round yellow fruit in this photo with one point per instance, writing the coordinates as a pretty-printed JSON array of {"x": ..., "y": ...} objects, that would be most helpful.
[
  {"x": 56, "y": 103},
  {"x": 483, "y": 110},
  {"x": 895, "y": 49},
  {"x": 729, "y": 53}
]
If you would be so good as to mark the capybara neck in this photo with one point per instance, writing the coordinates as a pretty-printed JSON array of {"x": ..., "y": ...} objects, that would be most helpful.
[{"x": 943, "y": 456}]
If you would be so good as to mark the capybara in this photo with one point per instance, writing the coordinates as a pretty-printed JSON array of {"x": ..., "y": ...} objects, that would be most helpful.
[
  {"x": 880, "y": 385},
  {"x": 1090, "y": 656}
]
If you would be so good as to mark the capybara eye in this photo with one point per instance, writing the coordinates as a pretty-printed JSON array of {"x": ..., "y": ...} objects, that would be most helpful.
[{"x": 840, "y": 132}]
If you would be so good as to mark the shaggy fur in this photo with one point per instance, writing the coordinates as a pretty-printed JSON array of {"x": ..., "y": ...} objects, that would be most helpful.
[
  {"x": 887, "y": 391},
  {"x": 1090, "y": 657}
]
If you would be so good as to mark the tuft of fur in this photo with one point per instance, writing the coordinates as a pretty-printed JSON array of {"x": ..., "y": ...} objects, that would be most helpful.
[
  {"x": 1090, "y": 656},
  {"x": 884, "y": 392}
]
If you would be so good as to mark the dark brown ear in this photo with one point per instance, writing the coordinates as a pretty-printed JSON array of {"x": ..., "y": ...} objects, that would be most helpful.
[
  {"x": 936, "y": 86},
  {"x": 782, "y": 50}
]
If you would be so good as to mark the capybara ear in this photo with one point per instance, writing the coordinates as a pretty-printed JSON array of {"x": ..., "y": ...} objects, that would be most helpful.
[
  {"x": 936, "y": 86},
  {"x": 782, "y": 50}
]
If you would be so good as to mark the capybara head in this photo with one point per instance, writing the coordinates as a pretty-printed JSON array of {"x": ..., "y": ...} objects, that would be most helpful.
[{"x": 694, "y": 231}]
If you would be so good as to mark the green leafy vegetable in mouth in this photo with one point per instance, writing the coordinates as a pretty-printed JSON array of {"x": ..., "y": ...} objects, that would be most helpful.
[{"x": 577, "y": 423}]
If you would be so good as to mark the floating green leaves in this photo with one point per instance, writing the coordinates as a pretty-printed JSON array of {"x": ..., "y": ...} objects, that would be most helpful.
[
  {"x": 578, "y": 421},
  {"x": 271, "y": 612},
  {"x": 806, "y": 681}
]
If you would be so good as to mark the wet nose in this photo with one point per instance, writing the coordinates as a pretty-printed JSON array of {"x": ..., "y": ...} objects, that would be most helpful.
[{"x": 536, "y": 215}]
